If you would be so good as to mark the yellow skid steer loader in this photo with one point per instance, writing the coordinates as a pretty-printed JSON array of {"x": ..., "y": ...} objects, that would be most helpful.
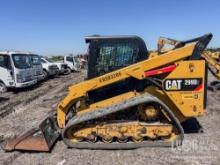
[{"x": 130, "y": 99}]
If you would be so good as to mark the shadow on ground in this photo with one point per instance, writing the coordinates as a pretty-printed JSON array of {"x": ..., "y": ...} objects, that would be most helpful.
[
  {"x": 4, "y": 99},
  {"x": 192, "y": 126}
]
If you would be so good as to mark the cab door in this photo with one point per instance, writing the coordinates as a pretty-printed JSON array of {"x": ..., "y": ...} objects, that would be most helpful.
[
  {"x": 70, "y": 61},
  {"x": 107, "y": 55},
  {"x": 6, "y": 71}
]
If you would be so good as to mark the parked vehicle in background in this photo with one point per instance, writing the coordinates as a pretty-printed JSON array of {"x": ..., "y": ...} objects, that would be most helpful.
[
  {"x": 16, "y": 71},
  {"x": 63, "y": 68},
  {"x": 82, "y": 59},
  {"x": 37, "y": 66},
  {"x": 72, "y": 62},
  {"x": 49, "y": 68}
]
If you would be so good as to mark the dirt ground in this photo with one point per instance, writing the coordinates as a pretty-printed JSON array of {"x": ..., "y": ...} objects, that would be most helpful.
[{"x": 22, "y": 110}]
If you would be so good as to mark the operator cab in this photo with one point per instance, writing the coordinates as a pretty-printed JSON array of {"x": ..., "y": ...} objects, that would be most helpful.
[{"x": 109, "y": 53}]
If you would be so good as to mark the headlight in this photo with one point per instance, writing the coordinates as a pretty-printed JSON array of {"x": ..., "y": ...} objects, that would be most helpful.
[{"x": 19, "y": 78}]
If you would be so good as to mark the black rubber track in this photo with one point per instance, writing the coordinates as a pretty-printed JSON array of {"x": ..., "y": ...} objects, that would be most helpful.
[{"x": 116, "y": 108}]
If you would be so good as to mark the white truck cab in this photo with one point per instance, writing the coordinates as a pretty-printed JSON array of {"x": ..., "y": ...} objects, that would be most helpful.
[
  {"x": 49, "y": 68},
  {"x": 16, "y": 71},
  {"x": 63, "y": 68},
  {"x": 72, "y": 63},
  {"x": 37, "y": 66}
]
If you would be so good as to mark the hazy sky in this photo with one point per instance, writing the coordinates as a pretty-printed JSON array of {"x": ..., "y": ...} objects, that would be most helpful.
[{"x": 59, "y": 26}]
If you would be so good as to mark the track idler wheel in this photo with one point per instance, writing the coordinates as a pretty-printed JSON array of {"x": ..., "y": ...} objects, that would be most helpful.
[
  {"x": 122, "y": 139},
  {"x": 137, "y": 139},
  {"x": 107, "y": 139},
  {"x": 92, "y": 138}
]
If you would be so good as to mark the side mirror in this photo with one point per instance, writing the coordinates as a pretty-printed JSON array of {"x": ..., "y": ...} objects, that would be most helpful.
[
  {"x": 9, "y": 68},
  {"x": 11, "y": 73}
]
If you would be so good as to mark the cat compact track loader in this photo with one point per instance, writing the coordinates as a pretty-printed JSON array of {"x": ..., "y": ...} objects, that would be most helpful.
[{"x": 131, "y": 98}]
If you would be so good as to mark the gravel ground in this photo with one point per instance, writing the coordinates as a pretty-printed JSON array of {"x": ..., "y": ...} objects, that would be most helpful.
[{"x": 26, "y": 109}]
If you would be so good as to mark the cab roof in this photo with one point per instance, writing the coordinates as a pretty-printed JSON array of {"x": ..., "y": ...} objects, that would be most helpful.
[
  {"x": 112, "y": 37},
  {"x": 12, "y": 52}
]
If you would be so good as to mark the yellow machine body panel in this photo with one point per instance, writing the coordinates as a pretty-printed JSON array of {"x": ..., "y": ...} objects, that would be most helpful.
[
  {"x": 185, "y": 87},
  {"x": 183, "y": 92},
  {"x": 136, "y": 70},
  {"x": 187, "y": 103}
]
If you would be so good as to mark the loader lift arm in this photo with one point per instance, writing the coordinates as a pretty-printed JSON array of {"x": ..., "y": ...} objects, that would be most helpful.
[
  {"x": 162, "y": 41},
  {"x": 215, "y": 70},
  {"x": 210, "y": 58}
]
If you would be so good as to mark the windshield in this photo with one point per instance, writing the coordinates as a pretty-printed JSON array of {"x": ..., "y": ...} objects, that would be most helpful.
[
  {"x": 21, "y": 61},
  {"x": 49, "y": 60},
  {"x": 76, "y": 59},
  {"x": 35, "y": 60}
]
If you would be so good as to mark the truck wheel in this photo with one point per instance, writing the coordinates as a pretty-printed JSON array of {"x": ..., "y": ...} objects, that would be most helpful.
[
  {"x": 68, "y": 71},
  {"x": 3, "y": 87},
  {"x": 44, "y": 74}
]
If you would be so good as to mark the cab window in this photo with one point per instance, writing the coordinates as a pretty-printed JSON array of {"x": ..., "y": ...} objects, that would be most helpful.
[
  {"x": 5, "y": 61},
  {"x": 112, "y": 56},
  {"x": 42, "y": 61},
  {"x": 35, "y": 60},
  {"x": 70, "y": 59}
]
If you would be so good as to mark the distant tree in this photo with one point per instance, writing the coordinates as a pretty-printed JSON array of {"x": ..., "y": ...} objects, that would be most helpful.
[
  {"x": 213, "y": 49},
  {"x": 56, "y": 58}
]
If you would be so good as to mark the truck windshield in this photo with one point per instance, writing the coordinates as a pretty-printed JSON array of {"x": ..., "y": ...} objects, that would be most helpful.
[
  {"x": 49, "y": 60},
  {"x": 70, "y": 59},
  {"x": 35, "y": 60},
  {"x": 21, "y": 61}
]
